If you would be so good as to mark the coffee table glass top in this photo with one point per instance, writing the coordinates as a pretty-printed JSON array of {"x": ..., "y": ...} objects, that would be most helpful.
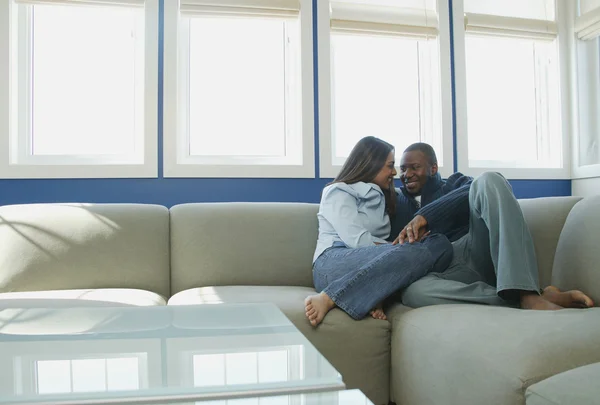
[
  {"x": 350, "y": 397},
  {"x": 149, "y": 354}
]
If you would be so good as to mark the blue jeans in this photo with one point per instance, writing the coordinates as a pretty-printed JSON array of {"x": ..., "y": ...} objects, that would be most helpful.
[{"x": 358, "y": 279}]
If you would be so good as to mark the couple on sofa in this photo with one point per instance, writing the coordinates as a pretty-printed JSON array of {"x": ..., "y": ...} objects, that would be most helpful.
[{"x": 434, "y": 241}]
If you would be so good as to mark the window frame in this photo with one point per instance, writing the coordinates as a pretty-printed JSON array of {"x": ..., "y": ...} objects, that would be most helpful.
[
  {"x": 584, "y": 87},
  {"x": 16, "y": 163},
  {"x": 460, "y": 82},
  {"x": 327, "y": 167},
  {"x": 176, "y": 160}
]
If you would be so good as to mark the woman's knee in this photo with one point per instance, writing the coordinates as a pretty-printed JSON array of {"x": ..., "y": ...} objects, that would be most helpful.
[{"x": 441, "y": 250}]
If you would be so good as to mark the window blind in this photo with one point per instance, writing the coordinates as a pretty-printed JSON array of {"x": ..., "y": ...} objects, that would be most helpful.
[
  {"x": 391, "y": 17},
  {"x": 587, "y": 24},
  {"x": 134, "y": 3},
  {"x": 256, "y": 8},
  {"x": 534, "y": 19}
]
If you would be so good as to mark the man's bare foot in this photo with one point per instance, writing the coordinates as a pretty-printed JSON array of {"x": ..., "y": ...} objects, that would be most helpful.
[
  {"x": 531, "y": 300},
  {"x": 317, "y": 306},
  {"x": 378, "y": 313},
  {"x": 567, "y": 299}
]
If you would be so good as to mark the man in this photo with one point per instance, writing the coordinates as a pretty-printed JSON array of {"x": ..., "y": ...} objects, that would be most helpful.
[{"x": 494, "y": 259}]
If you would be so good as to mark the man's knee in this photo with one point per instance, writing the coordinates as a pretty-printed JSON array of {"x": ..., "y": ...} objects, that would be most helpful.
[
  {"x": 490, "y": 179},
  {"x": 490, "y": 182}
]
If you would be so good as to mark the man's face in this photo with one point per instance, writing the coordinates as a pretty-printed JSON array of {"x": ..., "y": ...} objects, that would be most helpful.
[{"x": 415, "y": 170}]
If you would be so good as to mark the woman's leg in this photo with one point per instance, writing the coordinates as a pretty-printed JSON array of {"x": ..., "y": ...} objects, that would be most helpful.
[{"x": 356, "y": 280}]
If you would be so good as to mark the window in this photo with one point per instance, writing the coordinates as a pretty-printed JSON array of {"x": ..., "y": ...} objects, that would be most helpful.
[
  {"x": 238, "y": 89},
  {"x": 383, "y": 71},
  {"x": 508, "y": 89},
  {"x": 586, "y": 135},
  {"x": 79, "y": 88}
]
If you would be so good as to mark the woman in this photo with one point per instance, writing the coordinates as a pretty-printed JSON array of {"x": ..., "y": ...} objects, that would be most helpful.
[{"x": 354, "y": 267}]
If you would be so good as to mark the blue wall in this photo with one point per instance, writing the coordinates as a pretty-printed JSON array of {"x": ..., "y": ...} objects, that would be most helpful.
[{"x": 169, "y": 192}]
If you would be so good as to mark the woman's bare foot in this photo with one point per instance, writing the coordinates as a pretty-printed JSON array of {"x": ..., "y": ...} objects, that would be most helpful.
[
  {"x": 378, "y": 313},
  {"x": 317, "y": 306},
  {"x": 567, "y": 299},
  {"x": 531, "y": 300}
]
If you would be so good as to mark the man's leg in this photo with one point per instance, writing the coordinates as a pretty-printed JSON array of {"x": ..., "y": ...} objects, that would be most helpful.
[
  {"x": 500, "y": 246},
  {"x": 495, "y": 262},
  {"x": 458, "y": 284},
  {"x": 492, "y": 262}
]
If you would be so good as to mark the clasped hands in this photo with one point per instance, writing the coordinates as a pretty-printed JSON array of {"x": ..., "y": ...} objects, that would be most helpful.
[{"x": 414, "y": 231}]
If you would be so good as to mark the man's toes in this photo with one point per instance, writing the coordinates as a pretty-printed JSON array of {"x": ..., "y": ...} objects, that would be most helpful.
[{"x": 580, "y": 299}]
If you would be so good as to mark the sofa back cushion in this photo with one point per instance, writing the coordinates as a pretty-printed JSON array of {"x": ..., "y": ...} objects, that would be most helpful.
[
  {"x": 216, "y": 244},
  {"x": 69, "y": 246},
  {"x": 545, "y": 218},
  {"x": 577, "y": 260}
]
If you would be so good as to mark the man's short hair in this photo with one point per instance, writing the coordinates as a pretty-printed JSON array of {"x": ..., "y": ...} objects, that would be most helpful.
[{"x": 426, "y": 149}]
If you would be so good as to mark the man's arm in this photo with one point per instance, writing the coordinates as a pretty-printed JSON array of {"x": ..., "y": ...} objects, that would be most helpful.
[{"x": 443, "y": 214}]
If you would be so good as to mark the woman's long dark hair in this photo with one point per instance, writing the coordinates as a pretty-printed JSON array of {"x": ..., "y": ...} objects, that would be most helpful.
[{"x": 365, "y": 162}]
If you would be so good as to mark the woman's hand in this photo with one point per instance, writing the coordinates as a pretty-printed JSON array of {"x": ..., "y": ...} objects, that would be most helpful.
[{"x": 414, "y": 231}]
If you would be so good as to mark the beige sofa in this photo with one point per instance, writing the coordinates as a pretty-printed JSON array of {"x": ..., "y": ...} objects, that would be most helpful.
[{"x": 135, "y": 254}]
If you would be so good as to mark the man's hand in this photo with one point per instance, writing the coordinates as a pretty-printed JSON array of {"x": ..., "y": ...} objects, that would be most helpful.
[{"x": 414, "y": 231}]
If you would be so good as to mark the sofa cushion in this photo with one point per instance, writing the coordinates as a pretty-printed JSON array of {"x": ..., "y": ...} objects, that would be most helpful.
[
  {"x": 359, "y": 350},
  {"x": 545, "y": 219},
  {"x": 84, "y": 298},
  {"x": 577, "y": 259},
  {"x": 471, "y": 354},
  {"x": 72, "y": 246},
  {"x": 574, "y": 387},
  {"x": 242, "y": 244}
]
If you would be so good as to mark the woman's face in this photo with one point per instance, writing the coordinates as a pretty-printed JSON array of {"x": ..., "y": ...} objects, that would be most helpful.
[{"x": 387, "y": 173}]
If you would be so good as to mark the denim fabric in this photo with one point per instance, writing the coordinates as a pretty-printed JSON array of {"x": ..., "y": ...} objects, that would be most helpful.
[{"x": 358, "y": 279}]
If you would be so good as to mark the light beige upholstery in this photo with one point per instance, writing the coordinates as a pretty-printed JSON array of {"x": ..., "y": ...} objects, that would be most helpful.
[
  {"x": 359, "y": 350},
  {"x": 242, "y": 244},
  {"x": 87, "y": 297},
  {"x": 580, "y": 386},
  {"x": 577, "y": 259},
  {"x": 73, "y": 246},
  {"x": 545, "y": 218},
  {"x": 472, "y": 355}
]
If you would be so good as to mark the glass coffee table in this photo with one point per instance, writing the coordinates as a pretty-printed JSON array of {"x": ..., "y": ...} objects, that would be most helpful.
[
  {"x": 349, "y": 397},
  {"x": 156, "y": 354}
]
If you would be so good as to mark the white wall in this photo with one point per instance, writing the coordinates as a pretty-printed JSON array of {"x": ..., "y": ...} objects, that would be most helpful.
[{"x": 586, "y": 187}]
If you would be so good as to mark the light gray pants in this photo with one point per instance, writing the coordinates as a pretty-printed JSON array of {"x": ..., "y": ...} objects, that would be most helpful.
[{"x": 492, "y": 261}]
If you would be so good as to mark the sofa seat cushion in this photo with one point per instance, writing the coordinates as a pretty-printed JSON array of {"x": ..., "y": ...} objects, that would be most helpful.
[
  {"x": 574, "y": 387},
  {"x": 359, "y": 350},
  {"x": 81, "y": 297},
  {"x": 475, "y": 354}
]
